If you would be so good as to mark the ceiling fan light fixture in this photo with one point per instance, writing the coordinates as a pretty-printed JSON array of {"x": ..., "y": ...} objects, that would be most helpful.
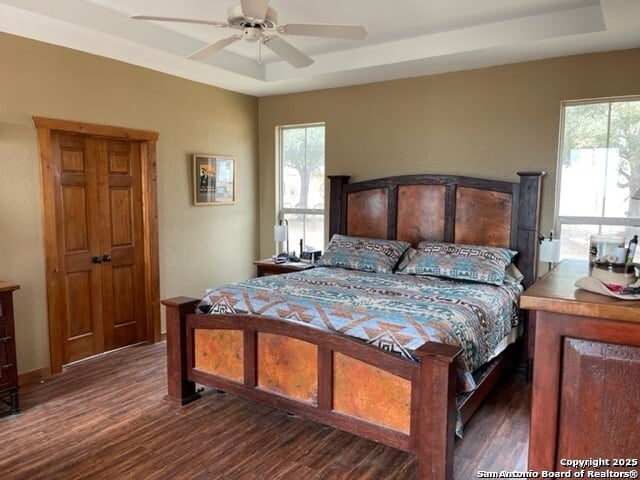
[
  {"x": 237, "y": 19},
  {"x": 252, "y": 34}
]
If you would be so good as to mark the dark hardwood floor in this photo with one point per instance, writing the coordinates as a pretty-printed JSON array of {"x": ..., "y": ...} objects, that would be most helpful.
[{"x": 107, "y": 418}]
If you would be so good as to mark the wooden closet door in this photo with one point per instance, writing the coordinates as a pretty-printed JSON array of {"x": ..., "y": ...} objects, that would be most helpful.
[
  {"x": 99, "y": 236},
  {"x": 121, "y": 240},
  {"x": 79, "y": 278}
]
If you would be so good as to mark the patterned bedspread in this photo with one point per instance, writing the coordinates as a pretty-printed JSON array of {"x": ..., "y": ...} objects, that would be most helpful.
[{"x": 391, "y": 311}]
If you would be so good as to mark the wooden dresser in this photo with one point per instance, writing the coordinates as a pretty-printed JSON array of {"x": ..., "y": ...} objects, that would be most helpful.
[
  {"x": 586, "y": 373},
  {"x": 8, "y": 367}
]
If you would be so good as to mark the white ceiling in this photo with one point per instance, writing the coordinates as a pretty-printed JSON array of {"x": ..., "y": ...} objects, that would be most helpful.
[{"x": 405, "y": 37}]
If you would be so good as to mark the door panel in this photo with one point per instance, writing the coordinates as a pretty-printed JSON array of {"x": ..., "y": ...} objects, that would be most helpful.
[
  {"x": 121, "y": 217},
  {"x": 598, "y": 400},
  {"x": 74, "y": 206},
  {"x": 124, "y": 326},
  {"x": 78, "y": 237},
  {"x": 79, "y": 316},
  {"x": 100, "y": 236},
  {"x": 122, "y": 237}
]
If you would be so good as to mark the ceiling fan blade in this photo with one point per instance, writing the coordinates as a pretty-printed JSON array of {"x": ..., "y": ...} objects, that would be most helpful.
[
  {"x": 213, "y": 48},
  {"x": 350, "y": 32},
  {"x": 180, "y": 20},
  {"x": 287, "y": 52},
  {"x": 254, "y": 9}
]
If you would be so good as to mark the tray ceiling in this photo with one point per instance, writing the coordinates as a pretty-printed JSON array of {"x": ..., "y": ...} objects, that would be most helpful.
[{"x": 405, "y": 37}]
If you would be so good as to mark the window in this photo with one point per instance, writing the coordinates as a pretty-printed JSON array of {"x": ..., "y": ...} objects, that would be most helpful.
[
  {"x": 599, "y": 173},
  {"x": 301, "y": 166}
]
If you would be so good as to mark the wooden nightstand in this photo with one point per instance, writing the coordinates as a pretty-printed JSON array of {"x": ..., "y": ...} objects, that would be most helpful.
[
  {"x": 586, "y": 372},
  {"x": 269, "y": 267}
]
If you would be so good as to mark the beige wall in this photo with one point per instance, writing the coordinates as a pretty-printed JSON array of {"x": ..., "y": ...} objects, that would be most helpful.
[
  {"x": 199, "y": 246},
  {"x": 490, "y": 122}
]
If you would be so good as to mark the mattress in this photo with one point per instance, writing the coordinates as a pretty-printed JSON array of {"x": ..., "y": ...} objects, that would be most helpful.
[{"x": 394, "y": 312}]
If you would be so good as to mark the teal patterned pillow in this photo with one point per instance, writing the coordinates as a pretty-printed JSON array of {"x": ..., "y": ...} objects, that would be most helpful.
[
  {"x": 461, "y": 262},
  {"x": 359, "y": 253}
]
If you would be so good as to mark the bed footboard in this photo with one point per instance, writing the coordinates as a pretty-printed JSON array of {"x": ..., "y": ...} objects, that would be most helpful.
[{"x": 321, "y": 376}]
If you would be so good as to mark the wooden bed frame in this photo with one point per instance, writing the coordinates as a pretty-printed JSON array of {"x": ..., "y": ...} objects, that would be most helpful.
[{"x": 340, "y": 381}]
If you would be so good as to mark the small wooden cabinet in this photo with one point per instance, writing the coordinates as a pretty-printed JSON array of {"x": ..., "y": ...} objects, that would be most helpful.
[
  {"x": 586, "y": 373},
  {"x": 269, "y": 267},
  {"x": 8, "y": 367}
]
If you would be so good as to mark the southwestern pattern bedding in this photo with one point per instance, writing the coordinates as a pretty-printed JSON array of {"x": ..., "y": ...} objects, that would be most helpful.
[{"x": 394, "y": 312}]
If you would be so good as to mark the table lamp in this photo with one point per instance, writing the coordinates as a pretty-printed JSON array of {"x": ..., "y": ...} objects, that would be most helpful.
[
  {"x": 550, "y": 250},
  {"x": 281, "y": 234}
]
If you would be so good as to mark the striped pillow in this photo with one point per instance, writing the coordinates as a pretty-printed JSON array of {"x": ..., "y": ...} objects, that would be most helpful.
[
  {"x": 366, "y": 254},
  {"x": 476, "y": 263}
]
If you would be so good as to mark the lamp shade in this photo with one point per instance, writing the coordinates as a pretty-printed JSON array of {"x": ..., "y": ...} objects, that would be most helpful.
[
  {"x": 550, "y": 251},
  {"x": 279, "y": 233}
]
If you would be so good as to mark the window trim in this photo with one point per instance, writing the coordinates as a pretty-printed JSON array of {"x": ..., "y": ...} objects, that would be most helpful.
[{"x": 282, "y": 211}]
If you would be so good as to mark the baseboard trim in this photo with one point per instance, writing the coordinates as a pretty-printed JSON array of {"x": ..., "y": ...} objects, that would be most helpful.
[
  {"x": 37, "y": 376},
  {"x": 34, "y": 376}
]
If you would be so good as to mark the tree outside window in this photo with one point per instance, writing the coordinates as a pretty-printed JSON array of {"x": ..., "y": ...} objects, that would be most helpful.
[
  {"x": 302, "y": 181},
  {"x": 599, "y": 169}
]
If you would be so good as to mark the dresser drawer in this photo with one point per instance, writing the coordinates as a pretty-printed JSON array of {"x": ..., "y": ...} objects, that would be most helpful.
[
  {"x": 8, "y": 367},
  {"x": 4, "y": 336},
  {"x": 5, "y": 365},
  {"x": 6, "y": 343}
]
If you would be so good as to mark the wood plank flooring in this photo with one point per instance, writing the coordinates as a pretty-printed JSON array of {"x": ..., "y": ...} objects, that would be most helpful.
[{"x": 106, "y": 418}]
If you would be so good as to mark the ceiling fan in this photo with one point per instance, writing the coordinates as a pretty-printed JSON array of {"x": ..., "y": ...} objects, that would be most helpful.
[{"x": 258, "y": 23}]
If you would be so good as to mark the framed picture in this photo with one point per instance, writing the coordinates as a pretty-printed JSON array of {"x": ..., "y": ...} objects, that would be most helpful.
[{"x": 214, "y": 179}]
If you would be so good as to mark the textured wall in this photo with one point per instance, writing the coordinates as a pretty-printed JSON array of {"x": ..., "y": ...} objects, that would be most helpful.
[
  {"x": 200, "y": 246},
  {"x": 490, "y": 122}
]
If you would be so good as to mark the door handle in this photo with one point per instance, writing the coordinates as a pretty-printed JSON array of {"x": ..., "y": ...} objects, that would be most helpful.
[
  {"x": 106, "y": 258},
  {"x": 96, "y": 260}
]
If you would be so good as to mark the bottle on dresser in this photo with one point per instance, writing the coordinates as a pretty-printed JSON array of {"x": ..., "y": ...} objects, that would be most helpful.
[{"x": 631, "y": 251}]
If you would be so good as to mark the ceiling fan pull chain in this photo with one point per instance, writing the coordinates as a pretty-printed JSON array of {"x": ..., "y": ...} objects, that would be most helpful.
[{"x": 260, "y": 53}]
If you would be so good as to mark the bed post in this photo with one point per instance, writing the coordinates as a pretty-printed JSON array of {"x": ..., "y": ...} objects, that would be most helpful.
[
  {"x": 179, "y": 388},
  {"x": 528, "y": 213},
  {"x": 436, "y": 407},
  {"x": 337, "y": 215}
]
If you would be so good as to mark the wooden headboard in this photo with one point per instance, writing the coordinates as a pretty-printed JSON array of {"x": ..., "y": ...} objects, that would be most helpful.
[{"x": 442, "y": 208}]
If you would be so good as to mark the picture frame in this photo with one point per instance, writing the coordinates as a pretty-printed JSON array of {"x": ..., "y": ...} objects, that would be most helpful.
[{"x": 214, "y": 179}]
